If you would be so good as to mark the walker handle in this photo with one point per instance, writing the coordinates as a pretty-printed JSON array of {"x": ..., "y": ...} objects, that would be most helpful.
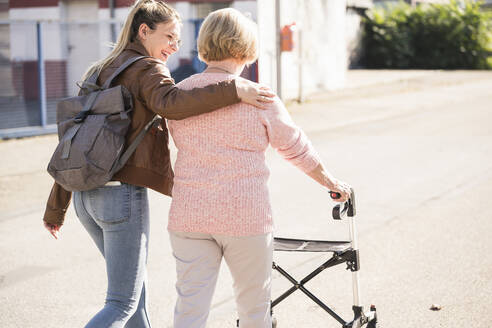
[
  {"x": 348, "y": 207},
  {"x": 335, "y": 195}
]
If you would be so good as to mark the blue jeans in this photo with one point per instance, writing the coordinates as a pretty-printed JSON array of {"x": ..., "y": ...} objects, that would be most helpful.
[{"x": 117, "y": 219}]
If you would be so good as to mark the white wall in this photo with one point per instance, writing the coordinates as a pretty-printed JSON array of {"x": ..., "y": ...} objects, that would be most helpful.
[
  {"x": 247, "y": 7},
  {"x": 267, "y": 56},
  {"x": 23, "y": 46},
  {"x": 185, "y": 9},
  {"x": 79, "y": 39},
  {"x": 324, "y": 53},
  {"x": 105, "y": 30},
  {"x": 323, "y": 59}
]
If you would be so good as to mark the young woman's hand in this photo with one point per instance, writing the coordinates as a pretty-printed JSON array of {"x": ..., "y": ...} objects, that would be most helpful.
[
  {"x": 254, "y": 93},
  {"x": 52, "y": 228}
]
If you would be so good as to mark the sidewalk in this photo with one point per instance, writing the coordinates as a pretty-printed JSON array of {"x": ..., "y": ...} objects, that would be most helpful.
[
  {"x": 365, "y": 88},
  {"x": 25, "y": 159},
  {"x": 357, "y": 78},
  {"x": 415, "y": 145}
]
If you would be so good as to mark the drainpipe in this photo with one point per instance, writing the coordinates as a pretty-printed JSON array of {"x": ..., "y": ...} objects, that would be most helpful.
[
  {"x": 41, "y": 76},
  {"x": 278, "y": 48},
  {"x": 301, "y": 60},
  {"x": 111, "y": 16}
]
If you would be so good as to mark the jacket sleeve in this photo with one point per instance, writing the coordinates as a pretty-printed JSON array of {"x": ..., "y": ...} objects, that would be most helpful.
[
  {"x": 159, "y": 93},
  {"x": 57, "y": 205},
  {"x": 288, "y": 139}
]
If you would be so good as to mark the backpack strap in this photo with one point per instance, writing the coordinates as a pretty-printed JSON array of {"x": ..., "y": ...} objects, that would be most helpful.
[
  {"x": 156, "y": 120},
  {"x": 87, "y": 87},
  {"x": 87, "y": 107},
  {"x": 93, "y": 78},
  {"x": 67, "y": 140},
  {"x": 93, "y": 95},
  {"x": 120, "y": 69}
]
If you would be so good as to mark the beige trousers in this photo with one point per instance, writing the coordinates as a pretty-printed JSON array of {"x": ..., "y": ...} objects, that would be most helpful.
[{"x": 198, "y": 257}]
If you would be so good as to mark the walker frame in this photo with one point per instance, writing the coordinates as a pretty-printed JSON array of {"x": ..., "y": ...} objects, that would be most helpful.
[{"x": 343, "y": 252}]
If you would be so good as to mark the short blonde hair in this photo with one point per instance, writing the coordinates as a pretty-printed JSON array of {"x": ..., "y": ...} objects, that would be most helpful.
[{"x": 225, "y": 34}]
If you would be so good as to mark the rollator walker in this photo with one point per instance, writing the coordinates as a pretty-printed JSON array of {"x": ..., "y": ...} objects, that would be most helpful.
[{"x": 342, "y": 252}]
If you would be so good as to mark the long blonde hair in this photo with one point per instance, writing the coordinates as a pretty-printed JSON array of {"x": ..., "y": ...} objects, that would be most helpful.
[{"x": 150, "y": 12}]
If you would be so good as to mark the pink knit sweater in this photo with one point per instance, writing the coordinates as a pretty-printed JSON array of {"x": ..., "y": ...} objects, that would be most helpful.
[{"x": 220, "y": 183}]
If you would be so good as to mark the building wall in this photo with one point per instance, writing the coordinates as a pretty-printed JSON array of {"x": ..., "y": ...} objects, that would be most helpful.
[
  {"x": 73, "y": 38},
  {"x": 248, "y": 7},
  {"x": 77, "y": 37},
  {"x": 185, "y": 53},
  {"x": 192, "y": 12},
  {"x": 4, "y": 9},
  {"x": 267, "y": 41},
  {"x": 319, "y": 58},
  {"x": 6, "y": 85},
  {"x": 356, "y": 9},
  {"x": 23, "y": 49},
  {"x": 189, "y": 11},
  {"x": 317, "y": 62}
]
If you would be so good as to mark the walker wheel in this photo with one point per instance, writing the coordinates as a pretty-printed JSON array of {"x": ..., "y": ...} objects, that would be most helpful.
[{"x": 372, "y": 323}]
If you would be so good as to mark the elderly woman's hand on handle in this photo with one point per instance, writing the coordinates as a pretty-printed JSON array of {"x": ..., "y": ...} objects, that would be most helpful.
[
  {"x": 324, "y": 178},
  {"x": 253, "y": 93}
]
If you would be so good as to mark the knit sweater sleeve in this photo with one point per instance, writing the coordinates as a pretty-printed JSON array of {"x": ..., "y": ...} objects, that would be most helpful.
[{"x": 288, "y": 139}]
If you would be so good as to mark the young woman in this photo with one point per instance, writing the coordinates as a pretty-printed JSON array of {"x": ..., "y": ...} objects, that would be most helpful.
[
  {"x": 221, "y": 207},
  {"x": 116, "y": 215}
]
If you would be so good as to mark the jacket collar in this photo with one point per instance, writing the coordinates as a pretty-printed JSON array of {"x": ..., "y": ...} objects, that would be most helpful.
[{"x": 138, "y": 47}]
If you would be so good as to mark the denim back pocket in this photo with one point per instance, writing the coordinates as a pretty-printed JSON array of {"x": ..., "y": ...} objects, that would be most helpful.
[{"x": 110, "y": 205}]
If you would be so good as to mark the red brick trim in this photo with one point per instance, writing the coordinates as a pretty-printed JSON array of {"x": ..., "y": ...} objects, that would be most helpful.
[
  {"x": 127, "y": 3},
  {"x": 117, "y": 3},
  {"x": 30, "y": 3},
  {"x": 199, "y": 1},
  {"x": 25, "y": 79}
]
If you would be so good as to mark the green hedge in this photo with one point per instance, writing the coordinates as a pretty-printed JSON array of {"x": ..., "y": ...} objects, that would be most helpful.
[{"x": 437, "y": 36}]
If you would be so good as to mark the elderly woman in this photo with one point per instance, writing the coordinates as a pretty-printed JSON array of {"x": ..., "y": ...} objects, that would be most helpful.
[
  {"x": 221, "y": 207},
  {"x": 117, "y": 215}
]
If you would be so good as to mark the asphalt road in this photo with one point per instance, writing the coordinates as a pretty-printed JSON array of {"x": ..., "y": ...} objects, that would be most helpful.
[{"x": 416, "y": 146}]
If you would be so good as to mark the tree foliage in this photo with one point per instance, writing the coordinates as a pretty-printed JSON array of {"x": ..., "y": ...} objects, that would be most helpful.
[{"x": 456, "y": 35}]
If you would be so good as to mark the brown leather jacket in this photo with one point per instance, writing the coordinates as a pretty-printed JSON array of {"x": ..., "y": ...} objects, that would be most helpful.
[{"x": 153, "y": 90}]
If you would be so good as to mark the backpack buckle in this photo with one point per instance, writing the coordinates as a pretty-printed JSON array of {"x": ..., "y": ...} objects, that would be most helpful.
[{"x": 81, "y": 117}]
